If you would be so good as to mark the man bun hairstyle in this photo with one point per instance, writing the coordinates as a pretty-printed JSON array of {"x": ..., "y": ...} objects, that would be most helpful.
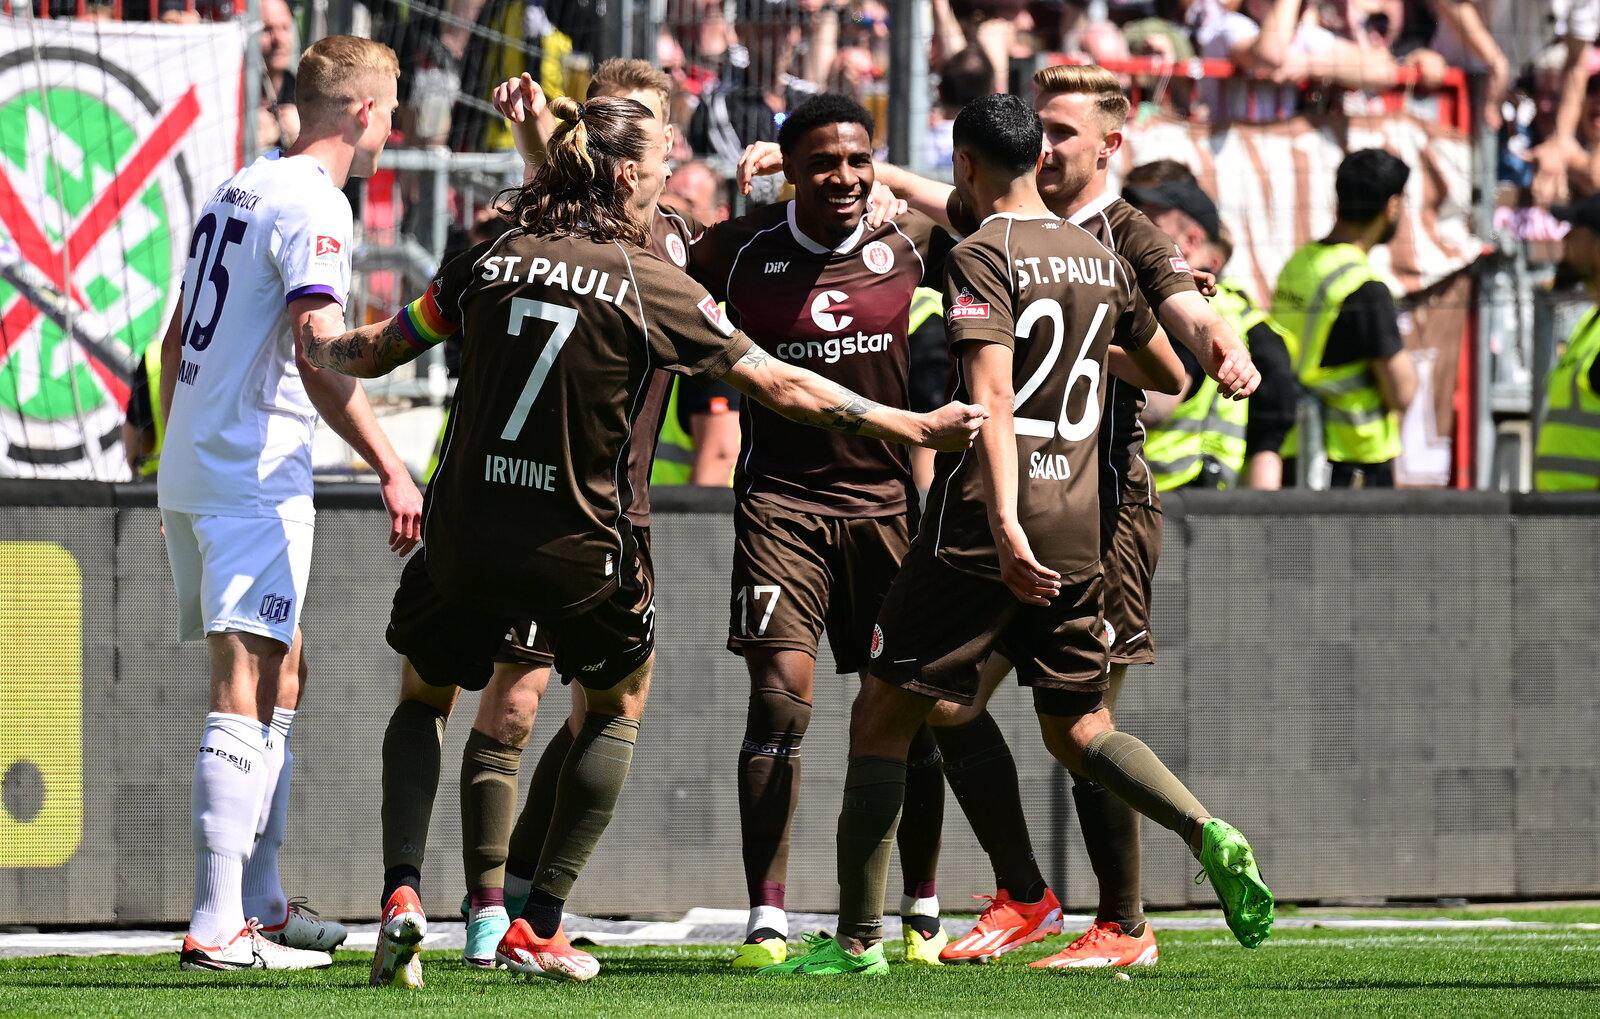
[
  {"x": 1000, "y": 131},
  {"x": 575, "y": 191},
  {"x": 334, "y": 73},
  {"x": 820, "y": 111},
  {"x": 1367, "y": 179},
  {"x": 1092, "y": 80}
]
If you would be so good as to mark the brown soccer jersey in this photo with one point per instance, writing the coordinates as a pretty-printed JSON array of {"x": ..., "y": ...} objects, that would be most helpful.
[
  {"x": 1159, "y": 271},
  {"x": 841, "y": 312},
  {"x": 1055, "y": 295},
  {"x": 671, "y": 234},
  {"x": 524, "y": 517}
]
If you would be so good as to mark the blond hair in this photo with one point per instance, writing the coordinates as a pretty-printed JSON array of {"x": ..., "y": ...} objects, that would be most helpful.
[
  {"x": 619, "y": 76},
  {"x": 334, "y": 73},
  {"x": 1110, "y": 101},
  {"x": 575, "y": 192}
]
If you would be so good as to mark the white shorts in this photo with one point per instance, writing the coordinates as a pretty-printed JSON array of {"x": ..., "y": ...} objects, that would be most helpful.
[{"x": 246, "y": 574}]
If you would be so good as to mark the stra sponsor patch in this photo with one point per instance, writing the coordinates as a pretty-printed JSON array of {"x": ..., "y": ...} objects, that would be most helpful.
[
  {"x": 1180, "y": 264},
  {"x": 967, "y": 306}
]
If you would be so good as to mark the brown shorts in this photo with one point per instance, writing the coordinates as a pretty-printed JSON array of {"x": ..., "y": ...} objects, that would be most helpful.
[
  {"x": 526, "y": 644},
  {"x": 796, "y": 574},
  {"x": 1130, "y": 544},
  {"x": 938, "y": 625},
  {"x": 453, "y": 644}
]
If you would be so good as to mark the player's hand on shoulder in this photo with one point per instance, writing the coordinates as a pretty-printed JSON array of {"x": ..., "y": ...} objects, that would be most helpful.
[
  {"x": 954, "y": 426},
  {"x": 759, "y": 159},
  {"x": 404, "y": 503},
  {"x": 519, "y": 99},
  {"x": 1030, "y": 581},
  {"x": 882, "y": 206}
]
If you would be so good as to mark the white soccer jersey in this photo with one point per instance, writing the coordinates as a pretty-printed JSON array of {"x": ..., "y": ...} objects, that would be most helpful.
[{"x": 239, "y": 439}]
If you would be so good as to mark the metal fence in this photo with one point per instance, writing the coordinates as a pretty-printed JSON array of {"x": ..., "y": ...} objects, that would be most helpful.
[{"x": 1392, "y": 693}]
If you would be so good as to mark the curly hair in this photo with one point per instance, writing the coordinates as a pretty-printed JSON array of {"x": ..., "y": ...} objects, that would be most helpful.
[{"x": 575, "y": 192}]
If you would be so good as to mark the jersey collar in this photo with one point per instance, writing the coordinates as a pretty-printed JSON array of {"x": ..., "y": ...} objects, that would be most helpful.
[
  {"x": 1019, "y": 217},
  {"x": 822, "y": 249},
  {"x": 1094, "y": 208}
]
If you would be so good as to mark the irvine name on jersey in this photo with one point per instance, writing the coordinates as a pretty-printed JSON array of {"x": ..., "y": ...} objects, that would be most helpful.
[
  {"x": 1057, "y": 297},
  {"x": 560, "y": 335},
  {"x": 841, "y": 312},
  {"x": 239, "y": 438}
]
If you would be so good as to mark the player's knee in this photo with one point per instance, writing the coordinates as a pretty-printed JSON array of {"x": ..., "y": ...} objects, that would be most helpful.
[{"x": 776, "y": 723}]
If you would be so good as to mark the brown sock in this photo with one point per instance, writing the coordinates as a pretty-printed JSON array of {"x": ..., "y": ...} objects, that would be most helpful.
[
  {"x": 488, "y": 808},
  {"x": 527, "y": 838},
  {"x": 874, "y": 790},
  {"x": 922, "y": 820},
  {"x": 769, "y": 789},
  {"x": 1111, "y": 836},
  {"x": 411, "y": 751},
  {"x": 591, "y": 781},
  {"x": 983, "y": 775},
  {"x": 1133, "y": 773}
]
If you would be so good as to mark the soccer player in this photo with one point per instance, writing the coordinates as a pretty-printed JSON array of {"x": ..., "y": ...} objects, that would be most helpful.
[
  {"x": 1004, "y": 563},
  {"x": 270, "y": 255},
  {"x": 821, "y": 521},
  {"x": 499, "y": 849},
  {"x": 564, "y": 318},
  {"x": 1083, "y": 110}
]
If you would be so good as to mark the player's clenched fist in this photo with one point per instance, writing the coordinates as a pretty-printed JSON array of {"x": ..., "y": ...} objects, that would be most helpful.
[{"x": 952, "y": 427}]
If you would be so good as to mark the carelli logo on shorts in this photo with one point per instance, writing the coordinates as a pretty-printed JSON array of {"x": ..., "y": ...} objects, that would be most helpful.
[
  {"x": 877, "y": 641},
  {"x": 966, "y": 306},
  {"x": 275, "y": 608},
  {"x": 241, "y": 763}
]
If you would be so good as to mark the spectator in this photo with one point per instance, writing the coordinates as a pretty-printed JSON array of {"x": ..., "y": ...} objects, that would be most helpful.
[
  {"x": 697, "y": 189},
  {"x": 963, "y": 78},
  {"x": 1463, "y": 39},
  {"x": 754, "y": 90},
  {"x": 1523, "y": 28},
  {"x": 1342, "y": 330},
  {"x": 277, "y": 120},
  {"x": 1289, "y": 49}
]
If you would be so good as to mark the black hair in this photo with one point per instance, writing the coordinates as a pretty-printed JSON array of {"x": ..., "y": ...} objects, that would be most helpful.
[
  {"x": 820, "y": 111},
  {"x": 1002, "y": 131},
  {"x": 965, "y": 77},
  {"x": 1367, "y": 179}
]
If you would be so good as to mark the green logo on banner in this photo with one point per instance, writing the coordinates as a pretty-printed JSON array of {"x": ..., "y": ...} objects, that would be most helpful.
[{"x": 60, "y": 149}]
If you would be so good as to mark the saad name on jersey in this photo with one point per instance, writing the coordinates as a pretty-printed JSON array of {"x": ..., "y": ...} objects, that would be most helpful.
[{"x": 575, "y": 279}]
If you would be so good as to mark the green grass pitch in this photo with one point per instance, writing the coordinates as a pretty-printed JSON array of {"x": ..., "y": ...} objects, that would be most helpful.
[{"x": 1298, "y": 973}]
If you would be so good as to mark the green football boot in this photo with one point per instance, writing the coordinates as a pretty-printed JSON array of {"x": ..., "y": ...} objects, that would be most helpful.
[
  {"x": 824, "y": 958},
  {"x": 1246, "y": 900}
]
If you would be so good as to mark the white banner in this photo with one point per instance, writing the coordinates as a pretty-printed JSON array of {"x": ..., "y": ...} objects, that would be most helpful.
[{"x": 111, "y": 136}]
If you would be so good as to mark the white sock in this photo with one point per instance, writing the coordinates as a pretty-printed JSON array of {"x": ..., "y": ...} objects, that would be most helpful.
[
  {"x": 919, "y": 907},
  {"x": 767, "y": 916},
  {"x": 475, "y": 915},
  {"x": 263, "y": 890},
  {"x": 229, "y": 783},
  {"x": 518, "y": 888}
]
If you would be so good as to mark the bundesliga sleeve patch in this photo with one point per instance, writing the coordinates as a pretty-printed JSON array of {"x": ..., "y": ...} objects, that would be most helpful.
[
  {"x": 966, "y": 306},
  {"x": 327, "y": 247},
  {"x": 423, "y": 323},
  {"x": 714, "y": 315}
]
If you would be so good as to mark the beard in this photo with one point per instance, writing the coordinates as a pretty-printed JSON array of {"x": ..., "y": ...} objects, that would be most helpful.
[{"x": 1391, "y": 228}]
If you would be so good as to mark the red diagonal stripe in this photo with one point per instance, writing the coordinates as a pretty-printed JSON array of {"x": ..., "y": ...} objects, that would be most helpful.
[
  {"x": 133, "y": 176},
  {"x": 123, "y": 189},
  {"x": 31, "y": 241}
]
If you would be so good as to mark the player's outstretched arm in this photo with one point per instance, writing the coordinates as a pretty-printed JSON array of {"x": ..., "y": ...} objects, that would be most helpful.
[
  {"x": 930, "y": 197},
  {"x": 521, "y": 101},
  {"x": 343, "y": 405},
  {"x": 804, "y": 396},
  {"x": 365, "y": 353},
  {"x": 1190, "y": 319},
  {"x": 987, "y": 369}
]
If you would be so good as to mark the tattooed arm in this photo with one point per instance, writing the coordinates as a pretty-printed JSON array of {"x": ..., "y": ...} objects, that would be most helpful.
[
  {"x": 810, "y": 399},
  {"x": 342, "y": 403},
  {"x": 367, "y": 352}
]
